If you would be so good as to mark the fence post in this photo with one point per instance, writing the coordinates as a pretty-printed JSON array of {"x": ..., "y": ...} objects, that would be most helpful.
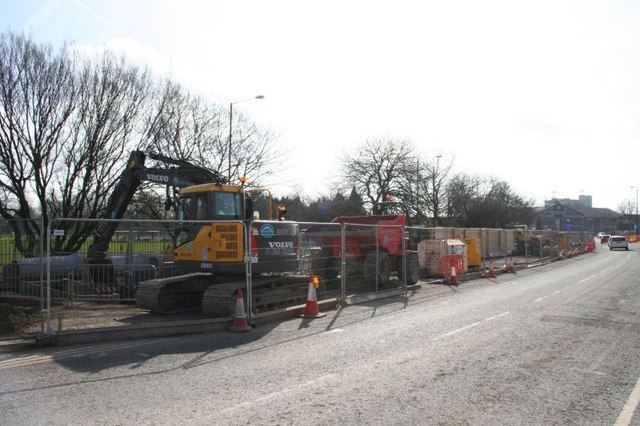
[
  {"x": 403, "y": 261},
  {"x": 376, "y": 228},
  {"x": 248, "y": 271},
  {"x": 343, "y": 263},
  {"x": 484, "y": 249},
  {"x": 42, "y": 261},
  {"x": 526, "y": 249},
  {"x": 49, "y": 277},
  {"x": 446, "y": 253},
  {"x": 506, "y": 256},
  {"x": 540, "y": 247}
]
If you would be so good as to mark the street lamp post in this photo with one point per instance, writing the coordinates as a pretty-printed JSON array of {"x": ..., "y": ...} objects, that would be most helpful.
[
  {"x": 436, "y": 206},
  {"x": 636, "y": 210},
  {"x": 231, "y": 125}
]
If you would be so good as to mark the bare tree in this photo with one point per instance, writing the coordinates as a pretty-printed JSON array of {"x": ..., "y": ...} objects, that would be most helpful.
[
  {"x": 38, "y": 95},
  {"x": 474, "y": 201},
  {"x": 627, "y": 207},
  {"x": 255, "y": 154},
  {"x": 424, "y": 189},
  {"x": 187, "y": 127},
  {"x": 179, "y": 124},
  {"x": 110, "y": 99},
  {"x": 379, "y": 167},
  {"x": 67, "y": 124},
  {"x": 462, "y": 193},
  {"x": 437, "y": 176}
]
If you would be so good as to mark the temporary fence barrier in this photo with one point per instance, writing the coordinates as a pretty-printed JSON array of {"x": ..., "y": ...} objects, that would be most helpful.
[
  {"x": 274, "y": 277},
  {"x": 21, "y": 244},
  {"x": 269, "y": 260}
]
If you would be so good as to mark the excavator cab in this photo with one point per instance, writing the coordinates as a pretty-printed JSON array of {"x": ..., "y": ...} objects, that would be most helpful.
[
  {"x": 211, "y": 235},
  {"x": 211, "y": 202},
  {"x": 210, "y": 227}
]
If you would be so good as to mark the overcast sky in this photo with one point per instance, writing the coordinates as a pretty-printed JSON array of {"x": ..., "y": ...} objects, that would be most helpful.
[{"x": 541, "y": 94}]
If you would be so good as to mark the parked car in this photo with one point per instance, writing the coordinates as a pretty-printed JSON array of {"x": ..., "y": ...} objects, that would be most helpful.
[
  {"x": 604, "y": 238},
  {"x": 618, "y": 241}
]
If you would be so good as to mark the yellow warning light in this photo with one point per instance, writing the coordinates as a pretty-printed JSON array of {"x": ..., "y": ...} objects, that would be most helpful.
[
  {"x": 243, "y": 180},
  {"x": 316, "y": 283}
]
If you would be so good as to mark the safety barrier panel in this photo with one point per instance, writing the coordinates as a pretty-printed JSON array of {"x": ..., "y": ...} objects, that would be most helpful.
[
  {"x": 449, "y": 261},
  {"x": 21, "y": 241}
]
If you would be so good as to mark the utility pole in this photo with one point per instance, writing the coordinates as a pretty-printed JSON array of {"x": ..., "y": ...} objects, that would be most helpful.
[{"x": 636, "y": 210}]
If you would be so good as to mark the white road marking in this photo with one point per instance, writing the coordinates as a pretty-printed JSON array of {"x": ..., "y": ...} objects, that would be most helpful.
[
  {"x": 587, "y": 279},
  {"x": 264, "y": 399},
  {"x": 540, "y": 299},
  {"x": 627, "y": 411},
  {"x": 456, "y": 331},
  {"x": 497, "y": 316}
]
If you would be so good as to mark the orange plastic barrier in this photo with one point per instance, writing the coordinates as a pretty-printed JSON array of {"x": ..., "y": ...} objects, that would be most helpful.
[{"x": 455, "y": 261}]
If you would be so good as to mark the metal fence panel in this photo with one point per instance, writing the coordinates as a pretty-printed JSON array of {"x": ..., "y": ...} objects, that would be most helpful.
[
  {"x": 21, "y": 300},
  {"x": 321, "y": 254},
  {"x": 373, "y": 257}
]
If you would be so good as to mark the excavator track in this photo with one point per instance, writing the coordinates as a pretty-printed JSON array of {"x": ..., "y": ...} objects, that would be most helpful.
[
  {"x": 269, "y": 292},
  {"x": 173, "y": 294},
  {"x": 218, "y": 299}
]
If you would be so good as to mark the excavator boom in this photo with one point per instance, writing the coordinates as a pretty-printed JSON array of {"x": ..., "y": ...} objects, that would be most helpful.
[{"x": 180, "y": 175}]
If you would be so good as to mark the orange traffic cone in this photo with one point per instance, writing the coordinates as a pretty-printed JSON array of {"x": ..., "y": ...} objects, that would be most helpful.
[
  {"x": 311, "y": 309},
  {"x": 239, "y": 319},
  {"x": 562, "y": 254},
  {"x": 491, "y": 273},
  {"x": 576, "y": 251},
  {"x": 453, "y": 279},
  {"x": 510, "y": 268}
]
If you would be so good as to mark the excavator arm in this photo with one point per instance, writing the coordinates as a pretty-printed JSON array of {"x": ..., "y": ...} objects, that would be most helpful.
[{"x": 181, "y": 174}]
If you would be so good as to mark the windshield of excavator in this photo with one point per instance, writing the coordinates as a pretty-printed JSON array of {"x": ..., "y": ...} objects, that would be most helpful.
[
  {"x": 208, "y": 205},
  {"x": 193, "y": 207},
  {"x": 227, "y": 205},
  {"x": 217, "y": 205}
]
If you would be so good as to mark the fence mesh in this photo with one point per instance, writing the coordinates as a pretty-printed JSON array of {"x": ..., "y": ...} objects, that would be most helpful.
[{"x": 21, "y": 305}]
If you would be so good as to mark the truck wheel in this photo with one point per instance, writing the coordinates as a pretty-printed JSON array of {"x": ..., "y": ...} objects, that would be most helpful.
[
  {"x": 413, "y": 269},
  {"x": 323, "y": 265},
  {"x": 379, "y": 263}
]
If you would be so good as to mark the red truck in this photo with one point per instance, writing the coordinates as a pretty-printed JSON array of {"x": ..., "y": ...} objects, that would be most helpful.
[{"x": 373, "y": 247}]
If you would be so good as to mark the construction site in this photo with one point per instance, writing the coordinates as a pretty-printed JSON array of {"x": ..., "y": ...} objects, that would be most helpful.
[{"x": 216, "y": 266}]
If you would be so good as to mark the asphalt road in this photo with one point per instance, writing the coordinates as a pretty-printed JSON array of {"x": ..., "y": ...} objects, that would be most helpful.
[{"x": 557, "y": 344}]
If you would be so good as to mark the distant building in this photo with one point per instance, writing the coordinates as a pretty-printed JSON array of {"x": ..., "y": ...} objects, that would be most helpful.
[{"x": 566, "y": 215}]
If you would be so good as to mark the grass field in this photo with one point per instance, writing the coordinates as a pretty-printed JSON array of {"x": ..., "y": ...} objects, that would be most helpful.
[{"x": 9, "y": 253}]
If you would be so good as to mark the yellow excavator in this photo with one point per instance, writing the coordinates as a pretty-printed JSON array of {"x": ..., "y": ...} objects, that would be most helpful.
[{"x": 215, "y": 236}]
